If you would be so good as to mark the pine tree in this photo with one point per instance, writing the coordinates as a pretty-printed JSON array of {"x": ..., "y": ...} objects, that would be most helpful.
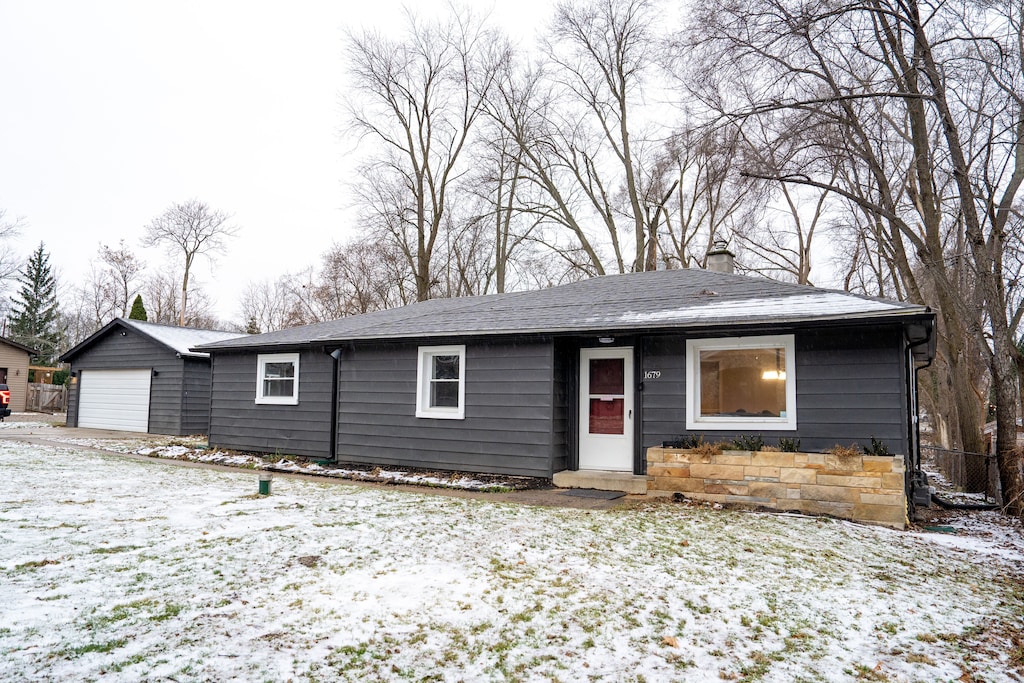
[
  {"x": 138, "y": 310},
  {"x": 34, "y": 315},
  {"x": 252, "y": 327}
]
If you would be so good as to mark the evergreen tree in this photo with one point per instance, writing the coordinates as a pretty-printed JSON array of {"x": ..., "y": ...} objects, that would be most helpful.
[
  {"x": 252, "y": 327},
  {"x": 34, "y": 316},
  {"x": 138, "y": 310}
]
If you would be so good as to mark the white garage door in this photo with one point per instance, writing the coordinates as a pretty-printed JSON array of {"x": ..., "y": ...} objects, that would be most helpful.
[{"x": 114, "y": 399}]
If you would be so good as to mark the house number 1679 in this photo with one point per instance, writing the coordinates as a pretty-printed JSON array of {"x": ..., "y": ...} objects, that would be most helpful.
[{"x": 652, "y": 374}]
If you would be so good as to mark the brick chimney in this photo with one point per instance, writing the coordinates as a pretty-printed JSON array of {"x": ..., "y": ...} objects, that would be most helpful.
[{"x": 720, "y": 259}]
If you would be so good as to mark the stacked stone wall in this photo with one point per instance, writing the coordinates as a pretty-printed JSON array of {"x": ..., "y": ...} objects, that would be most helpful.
[{"x": 864, "y": 488}]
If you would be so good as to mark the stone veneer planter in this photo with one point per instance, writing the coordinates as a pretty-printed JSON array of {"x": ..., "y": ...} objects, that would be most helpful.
[{"x": 865, "y": 488}]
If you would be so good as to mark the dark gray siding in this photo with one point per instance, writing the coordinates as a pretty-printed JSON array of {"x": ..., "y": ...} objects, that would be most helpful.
[
  {"x": 508, "y": 423},
  {"x": 565, "y": 359},
  {"x": 851, "y": 386},
  {"x": 238, "y": 422},
  {"x": 72, "y": 416},
  {"x": 133, "y": 351},
  {"x": 195, "y": 396}
]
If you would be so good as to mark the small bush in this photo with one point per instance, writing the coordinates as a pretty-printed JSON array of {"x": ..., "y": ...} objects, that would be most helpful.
[
  {"x": 787, "y": 445},
  {"x": 877, "y": 448},
  {"x": 748, "y": 443},
  {"x": 770, "y": 449},
  {"x": 845, "y": 451},
  {"x": 708, "y": 448},
  {"x": 691, "y": 440}
]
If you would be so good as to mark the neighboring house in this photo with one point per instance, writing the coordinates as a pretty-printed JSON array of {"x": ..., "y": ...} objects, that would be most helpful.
[
  {"x": 14, "y": 362},
  {"x": 580, "y": 377},
  {"x": 142, "y": 377}
]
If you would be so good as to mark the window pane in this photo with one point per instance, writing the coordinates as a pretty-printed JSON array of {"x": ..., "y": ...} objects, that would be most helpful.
[
  {"x": 278, "y": 387},
  {"x": 607, "y": 376},
  {"x": 606, "y": 417},
  {"x": 743, "y": 382},
  {"x": 444, "y": 394},
  {"x": 445, "y": 367},
  {"x": 276, "y": 370}
]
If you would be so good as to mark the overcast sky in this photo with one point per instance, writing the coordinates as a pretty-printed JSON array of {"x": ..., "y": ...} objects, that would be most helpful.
[{"x": 112, "y": 111}]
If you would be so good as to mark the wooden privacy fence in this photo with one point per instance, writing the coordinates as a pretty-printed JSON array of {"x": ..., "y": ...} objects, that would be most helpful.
[{"x": 47, "y": 398}]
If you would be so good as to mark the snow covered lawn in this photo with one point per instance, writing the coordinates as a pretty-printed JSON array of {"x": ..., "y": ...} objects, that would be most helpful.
[{"x": 119, "y": 570}]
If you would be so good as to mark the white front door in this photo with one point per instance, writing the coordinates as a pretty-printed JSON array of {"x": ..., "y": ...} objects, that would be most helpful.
[{"x": 606, "y": 409}]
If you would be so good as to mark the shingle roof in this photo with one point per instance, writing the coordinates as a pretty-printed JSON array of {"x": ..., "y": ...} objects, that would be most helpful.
[
  {"x": 21, "y": 347},
  {"x": 613, "y": 303},
  {"x": 178, "y": 339}
]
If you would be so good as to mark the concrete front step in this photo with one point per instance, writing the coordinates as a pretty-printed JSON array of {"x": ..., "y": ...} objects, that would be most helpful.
[{"x": 600, "y": 480}]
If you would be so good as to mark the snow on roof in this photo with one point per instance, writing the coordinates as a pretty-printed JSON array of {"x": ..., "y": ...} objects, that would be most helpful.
[
  {"x": 181, "y": 339},
  {"x": 805, "y": 305}
]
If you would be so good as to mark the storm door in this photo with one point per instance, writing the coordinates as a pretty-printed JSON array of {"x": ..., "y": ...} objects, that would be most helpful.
[{"x": 606, "y": 409}]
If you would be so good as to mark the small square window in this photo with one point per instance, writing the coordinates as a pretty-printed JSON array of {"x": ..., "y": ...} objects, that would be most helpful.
[
  {"x": 440, "y": 382},
  {"x": 741, "y": 383},
  {"x": 277, "y": 378}
]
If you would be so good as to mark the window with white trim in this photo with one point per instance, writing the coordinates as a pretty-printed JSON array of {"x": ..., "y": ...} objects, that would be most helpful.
[
  {"x": 741, "y": 383},
  {"x": 277, "y": 378},
  {"x": 441, "y": 382}
]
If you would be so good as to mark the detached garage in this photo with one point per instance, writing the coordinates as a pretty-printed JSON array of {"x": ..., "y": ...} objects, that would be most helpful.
[{"x": 142, "y": 377}]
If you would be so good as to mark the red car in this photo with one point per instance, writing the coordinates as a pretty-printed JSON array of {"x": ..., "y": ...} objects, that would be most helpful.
[{"x": 5, "y": 401}]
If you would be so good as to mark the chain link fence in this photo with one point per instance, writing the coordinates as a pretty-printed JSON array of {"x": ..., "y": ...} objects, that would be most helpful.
[{"x": 962, "y": 477}]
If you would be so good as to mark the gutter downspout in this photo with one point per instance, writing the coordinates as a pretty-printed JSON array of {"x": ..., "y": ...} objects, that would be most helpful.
[
  {"x": 917, "y": 475},
  {"x": 335, "y": 362}
]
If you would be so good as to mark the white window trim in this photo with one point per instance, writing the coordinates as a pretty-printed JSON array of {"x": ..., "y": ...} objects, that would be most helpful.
[
  {"x": 423, "y": 408},
  {"x": 694, "y": 420},
  {"x": 261, "y": 364}
]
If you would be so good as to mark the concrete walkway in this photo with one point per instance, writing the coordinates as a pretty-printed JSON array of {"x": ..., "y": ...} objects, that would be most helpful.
[{"x": 52, "y": 435}]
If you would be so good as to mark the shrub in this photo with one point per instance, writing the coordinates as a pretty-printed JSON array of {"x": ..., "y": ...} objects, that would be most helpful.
[
  {"x": 787, "y": 445},
  {"x": 708, "y": 448},
  {"x": 748, "y": 443},
  {"x": 691, "y": 440},
  {"x": 877, "y": 448},
  {"x": 845, "y": 451}
]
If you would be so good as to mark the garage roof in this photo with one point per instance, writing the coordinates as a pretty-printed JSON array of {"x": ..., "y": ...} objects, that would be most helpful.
[{"x": 178, "y": 339}]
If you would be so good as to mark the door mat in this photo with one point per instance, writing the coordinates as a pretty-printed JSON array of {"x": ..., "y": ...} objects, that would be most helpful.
[{"x": 593, "y": 493}]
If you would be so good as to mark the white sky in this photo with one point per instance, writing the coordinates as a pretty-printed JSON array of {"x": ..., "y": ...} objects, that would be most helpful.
[{"x": 112, "y": 111}]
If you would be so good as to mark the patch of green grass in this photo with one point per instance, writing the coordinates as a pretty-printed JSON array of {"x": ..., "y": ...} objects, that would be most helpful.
[
  {"x": 108, "y": 646},
  {"x": 890, "y": 627},
  {"x": 114, "y": 549},
  {"x": 169, "y": 612},
  {"x": 758, "y": 667},
  {"x": 33, "y": 564},
  {"x": 136, "y": 658}
]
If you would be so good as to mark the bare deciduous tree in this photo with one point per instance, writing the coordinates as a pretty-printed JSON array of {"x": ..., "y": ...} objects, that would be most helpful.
[
  {"x": 189, "y": 229},
  {"x": 601, "y": 50},
  {"x": 419, "y": 100},
  {"x": 931, "y": 117},
  {"x": 124, "y": 269},
  {"x": 161, "y": 290},
  {"x": 10, "y": 264}
]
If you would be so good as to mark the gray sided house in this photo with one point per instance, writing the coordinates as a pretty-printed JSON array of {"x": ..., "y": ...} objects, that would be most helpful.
[
  {"x": 142, "y": 377},
  {"x": 581, "y": 377}
]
